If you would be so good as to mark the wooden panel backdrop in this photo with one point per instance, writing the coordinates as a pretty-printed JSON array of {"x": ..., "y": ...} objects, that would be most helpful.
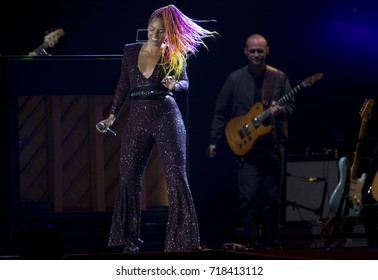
[{"x": 65, "y": 162}]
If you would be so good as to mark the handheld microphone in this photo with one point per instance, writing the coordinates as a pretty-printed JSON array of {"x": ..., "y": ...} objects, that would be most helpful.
[{"x": 102, "y": 127}]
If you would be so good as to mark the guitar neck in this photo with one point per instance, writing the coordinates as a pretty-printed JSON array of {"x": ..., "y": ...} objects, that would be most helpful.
[
  {"x": 354, "y": 167},
  {"x": 288, "y": 96},
  {"x": 40, "y": 49}
]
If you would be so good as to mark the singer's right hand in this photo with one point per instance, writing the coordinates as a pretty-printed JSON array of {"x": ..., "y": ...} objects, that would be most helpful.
[
  {"x": 107, "y": 122},
  {"x": 211, "y": 151}
]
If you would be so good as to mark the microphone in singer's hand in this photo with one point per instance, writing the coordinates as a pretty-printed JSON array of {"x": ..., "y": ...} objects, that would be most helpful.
[{"x": 102, "y": 127}]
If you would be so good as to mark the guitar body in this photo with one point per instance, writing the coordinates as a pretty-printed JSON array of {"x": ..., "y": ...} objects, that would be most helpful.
[
  {"x": 374, "y": 187},
  {"x": 336, "y": 196},
  {"x": 355, "y": 189},
  {"x": 242, "y": 133},
  {"x": 355, "y": 192},
  {"x": 332, "y": 223}
]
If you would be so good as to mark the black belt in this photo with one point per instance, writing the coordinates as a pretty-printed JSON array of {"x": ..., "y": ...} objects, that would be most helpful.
[
  {"x": 150, "y": 97},
  {"x": 150, "y": 93}
]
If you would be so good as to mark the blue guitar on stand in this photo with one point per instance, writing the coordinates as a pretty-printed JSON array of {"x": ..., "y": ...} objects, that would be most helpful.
[
  {"x": 346, "y": 198},
  {"x": 348, "y": 181}
]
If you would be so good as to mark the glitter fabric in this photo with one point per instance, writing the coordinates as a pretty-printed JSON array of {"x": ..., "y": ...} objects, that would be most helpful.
[{"x": 150, "y": 122}]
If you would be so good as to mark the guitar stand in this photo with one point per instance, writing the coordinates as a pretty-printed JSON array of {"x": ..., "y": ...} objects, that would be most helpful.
[{"x": 316, "y": 211}]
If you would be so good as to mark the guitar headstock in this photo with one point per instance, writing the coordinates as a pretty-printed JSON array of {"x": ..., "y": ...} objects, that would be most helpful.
[
  {"x": 311, "y": 80},
  {"x": 365, "y": 111},
  {"x": 52, "y": 38}
]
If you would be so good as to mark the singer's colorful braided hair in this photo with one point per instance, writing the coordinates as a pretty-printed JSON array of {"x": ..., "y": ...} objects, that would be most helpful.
[{"x": 183, "y": 36}]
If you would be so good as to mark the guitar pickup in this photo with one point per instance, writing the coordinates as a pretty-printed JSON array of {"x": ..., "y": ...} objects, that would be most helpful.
[
  {"x": 241, "y": 133},
  {"x": 256, "y": 122},
  {"x": 246, "y": 130}
]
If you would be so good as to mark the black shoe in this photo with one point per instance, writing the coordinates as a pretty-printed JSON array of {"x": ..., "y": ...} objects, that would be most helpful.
[{"x": 130, "y": 249}]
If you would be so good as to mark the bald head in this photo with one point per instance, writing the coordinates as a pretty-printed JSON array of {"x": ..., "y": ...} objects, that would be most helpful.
[
  {"x": 256, "y": 39},
  {"x": 256, "y": 50}
]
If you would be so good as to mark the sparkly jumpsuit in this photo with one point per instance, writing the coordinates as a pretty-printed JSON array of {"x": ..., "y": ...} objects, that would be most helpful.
[{"x": 150, "y": 122}]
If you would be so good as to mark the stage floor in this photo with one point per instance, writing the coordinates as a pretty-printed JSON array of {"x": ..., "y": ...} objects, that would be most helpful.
[{"x": 84, "y": 236}]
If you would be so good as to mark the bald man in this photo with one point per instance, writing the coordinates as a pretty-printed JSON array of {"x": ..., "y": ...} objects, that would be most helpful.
[{"x": 247, "y": 90}]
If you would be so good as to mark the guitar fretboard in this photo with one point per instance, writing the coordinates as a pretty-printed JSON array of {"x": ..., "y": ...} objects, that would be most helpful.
[
  {"x": 287, "y": 97},
  {"x": 290, "y": 95}
]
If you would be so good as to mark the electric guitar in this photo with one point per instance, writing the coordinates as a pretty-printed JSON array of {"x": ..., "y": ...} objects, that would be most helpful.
[
  {"x": 348, "y": 188},
  {"x": 243, "y": 131},
  {"x": 355, "y": 184},
  {"x": 332, "y": 223},
  {"x": 49, "y": 41},
  {"x": 374, "y": 187}
]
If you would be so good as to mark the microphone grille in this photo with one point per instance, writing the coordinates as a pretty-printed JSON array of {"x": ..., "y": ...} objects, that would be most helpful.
[{"x": 101, "y": 126}]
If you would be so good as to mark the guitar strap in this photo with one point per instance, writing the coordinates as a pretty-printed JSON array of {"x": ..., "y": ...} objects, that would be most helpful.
[
  {"x": 271, "y": 76},
  {"x": 270, "y": 80}
]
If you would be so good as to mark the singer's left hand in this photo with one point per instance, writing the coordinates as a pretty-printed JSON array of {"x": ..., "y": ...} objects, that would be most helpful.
[{"x": 169, "y": 82}]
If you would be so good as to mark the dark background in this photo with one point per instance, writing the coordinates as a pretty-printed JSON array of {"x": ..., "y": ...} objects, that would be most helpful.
[{"x": 337, "y": 38}]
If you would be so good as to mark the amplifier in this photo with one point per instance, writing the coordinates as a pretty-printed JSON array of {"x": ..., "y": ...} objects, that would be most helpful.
[{"x": 309, "y": 185}]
